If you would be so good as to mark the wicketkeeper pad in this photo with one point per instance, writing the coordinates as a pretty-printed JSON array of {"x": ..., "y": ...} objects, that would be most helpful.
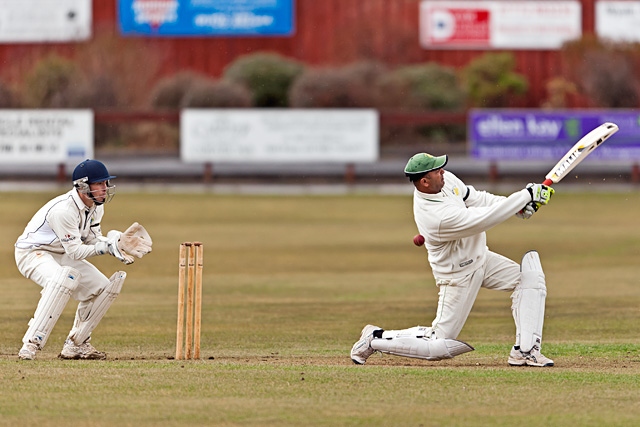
[
  {"x": 54, "y": 299},
  {"x": 89, "y": 313}
]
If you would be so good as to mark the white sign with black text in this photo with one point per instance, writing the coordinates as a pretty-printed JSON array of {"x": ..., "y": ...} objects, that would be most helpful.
[
  {"x": 618, "y": 20},
  {"x": 39, "y": 21},
  {"x": 45, "y": 136},
  {"x": 280, "y": 135}
]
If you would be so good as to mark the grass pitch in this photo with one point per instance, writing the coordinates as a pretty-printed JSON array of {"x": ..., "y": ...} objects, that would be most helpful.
[{"x": 289, "y": 281}]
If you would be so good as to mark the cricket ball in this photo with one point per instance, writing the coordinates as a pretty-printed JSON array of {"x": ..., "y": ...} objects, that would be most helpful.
[{"x": 418, "y": 240}]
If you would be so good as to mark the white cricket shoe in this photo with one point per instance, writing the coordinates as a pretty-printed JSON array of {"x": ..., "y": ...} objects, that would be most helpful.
[
  {"x": 82, "y": 351},
  {"x": 532, "y": 358},
  {"x": 28, "y": 351},
  {"x": 361, "y": 350}
]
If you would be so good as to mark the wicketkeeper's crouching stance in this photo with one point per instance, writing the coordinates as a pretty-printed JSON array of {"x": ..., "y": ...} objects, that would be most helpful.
[
  {"x": 453, "y": 218},
  {"x": 52, "y": 252}
]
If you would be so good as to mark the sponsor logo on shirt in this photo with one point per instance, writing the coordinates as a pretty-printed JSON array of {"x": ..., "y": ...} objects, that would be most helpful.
[
  {"x": 67, "y": 238},
  {"x": 463, "y": 264}
]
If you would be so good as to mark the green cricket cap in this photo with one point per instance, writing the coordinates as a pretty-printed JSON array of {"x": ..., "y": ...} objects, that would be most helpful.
[{"x": 422, "y": 163}]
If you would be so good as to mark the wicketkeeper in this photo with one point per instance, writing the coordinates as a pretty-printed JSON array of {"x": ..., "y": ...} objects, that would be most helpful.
[
  {"x": 453, "y": 218},
  {"x": 53, "y": 250}
]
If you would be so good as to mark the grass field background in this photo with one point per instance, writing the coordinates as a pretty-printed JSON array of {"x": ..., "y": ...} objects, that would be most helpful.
[{"x": 289, "y": 281}]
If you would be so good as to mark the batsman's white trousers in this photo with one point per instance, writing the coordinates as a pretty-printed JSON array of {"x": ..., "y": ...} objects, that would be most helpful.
[
  {"x": 39, "y": 266},
  {"x": 456, "y": 296}
]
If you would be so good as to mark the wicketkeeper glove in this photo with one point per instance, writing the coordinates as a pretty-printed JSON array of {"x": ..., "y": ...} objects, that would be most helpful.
[
  {"x": 540, "y": 193},
  {"x": 135, "y": 241},
  {"x": 110, "y": 246}
]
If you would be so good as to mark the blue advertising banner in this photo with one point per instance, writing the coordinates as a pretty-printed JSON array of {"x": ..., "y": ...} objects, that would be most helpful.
[
  {"x": 175, "y": 18},
  {"x": 536, "y": 134}
]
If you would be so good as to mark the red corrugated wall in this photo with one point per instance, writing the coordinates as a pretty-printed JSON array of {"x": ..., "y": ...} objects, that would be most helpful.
[{"x": 328, "y": 32}]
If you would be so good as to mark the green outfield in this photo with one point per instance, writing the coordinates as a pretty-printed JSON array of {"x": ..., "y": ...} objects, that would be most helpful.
[{"x": 289, "y": 281}]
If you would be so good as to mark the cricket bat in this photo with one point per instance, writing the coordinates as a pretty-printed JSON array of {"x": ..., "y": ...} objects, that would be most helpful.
[
  {"x": 579, "y": 151},
  {"x": 574, "y": 156}
]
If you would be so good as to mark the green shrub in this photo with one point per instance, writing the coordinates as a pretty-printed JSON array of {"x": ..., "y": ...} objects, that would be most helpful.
[
  {"x": 132, "y": 65},
  {"x": 429, "y": 86},
  {"x": 491, "y": 82},
  {"x": 559, "y": 90},
  {"x": 170, "y": 91},
  {"x": 97, "y": 92},
  {"x": 367, "y": 73},
  {"x": 421, "y": 87},
  {"x": 52, "y": 83},
  {"x": 8, "y": 99},
  {"x": 217, "y": 94},
  {"x": 604, "y": 71},
  {"x": 268, "y": 76},
  {"x": 350, "y": 87}
]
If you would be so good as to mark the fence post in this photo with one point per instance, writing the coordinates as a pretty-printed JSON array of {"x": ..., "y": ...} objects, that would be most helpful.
[
  {"x": 207, "y": 174},
  {"x": 494, "y": 175},
  {"x": 350, "y": 173},
  {"x": 62, "y": 175}
]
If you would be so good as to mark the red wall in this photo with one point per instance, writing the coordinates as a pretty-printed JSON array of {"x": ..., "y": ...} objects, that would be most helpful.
[{"x": 328, "y": 32}]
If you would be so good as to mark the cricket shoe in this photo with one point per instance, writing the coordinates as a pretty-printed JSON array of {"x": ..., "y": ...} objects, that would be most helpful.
[
  {"x": 83, "y": 351},
  {"x": 28, "y": 351},
  {"x": 532, "y": 358},
  {"x": 361, "y": 350}
]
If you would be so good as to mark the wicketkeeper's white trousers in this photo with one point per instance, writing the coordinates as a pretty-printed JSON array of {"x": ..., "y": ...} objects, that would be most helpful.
[{"x": 40, "y": 266}]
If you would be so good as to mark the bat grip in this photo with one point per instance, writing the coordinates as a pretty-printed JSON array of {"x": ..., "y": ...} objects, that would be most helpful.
[{"x": 547, "y": 182}]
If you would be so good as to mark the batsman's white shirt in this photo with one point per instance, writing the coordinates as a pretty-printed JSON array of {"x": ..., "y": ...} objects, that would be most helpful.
[
  {"x": 454, "y": 221},
  {"x": 64, "y": 225}
]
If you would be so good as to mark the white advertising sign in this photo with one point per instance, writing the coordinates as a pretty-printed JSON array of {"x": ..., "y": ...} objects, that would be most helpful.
[
  {"x": 33, "y": 21},
  {"x": 283, "y": 135},
  {"x": 499, "y": 24},
  {"x": 618, "y": 20},
  {"x": 45, "y": 136}
]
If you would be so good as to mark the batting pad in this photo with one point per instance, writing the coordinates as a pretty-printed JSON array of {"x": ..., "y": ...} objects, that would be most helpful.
[
  {"x": 89, "y": 314},
  {"x": 529, "y": 302},
  {"x": 421, "y": 348},
  {"x": 54, "y": 299}
]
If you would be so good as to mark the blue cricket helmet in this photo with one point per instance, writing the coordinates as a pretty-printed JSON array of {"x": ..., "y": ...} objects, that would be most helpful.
[{"x": 92, "y": 170}]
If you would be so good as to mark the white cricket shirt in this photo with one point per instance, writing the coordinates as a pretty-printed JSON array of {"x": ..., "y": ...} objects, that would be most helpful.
[
  {"x": 453, "y": 223},
  {"x": 64, "y": 224}
]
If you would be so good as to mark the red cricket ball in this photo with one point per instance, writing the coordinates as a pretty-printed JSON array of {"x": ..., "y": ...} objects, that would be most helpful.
[{"x": 418, "y": 240}]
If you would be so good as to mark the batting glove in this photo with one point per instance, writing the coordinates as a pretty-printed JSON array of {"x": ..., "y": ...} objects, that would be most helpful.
[
  {"x": 528, "y": 210},
  {"x": 540, "y": 193}
]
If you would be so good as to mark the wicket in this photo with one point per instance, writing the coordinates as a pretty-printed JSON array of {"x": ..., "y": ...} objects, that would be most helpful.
[{"x": 189, "y": 300}]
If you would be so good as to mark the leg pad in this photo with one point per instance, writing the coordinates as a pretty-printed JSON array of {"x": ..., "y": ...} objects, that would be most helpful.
[{"x": 55, "y": 296}]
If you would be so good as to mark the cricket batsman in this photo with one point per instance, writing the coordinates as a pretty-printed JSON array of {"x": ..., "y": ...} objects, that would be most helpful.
[
  {"x": 453, "y": 219},
  {"x": 53, "y": 250}
]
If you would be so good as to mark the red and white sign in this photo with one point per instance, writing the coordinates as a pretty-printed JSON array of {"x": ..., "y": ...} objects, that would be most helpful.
[
  {"x": 467, "y": 26},
  {"x": 499, "y": 24},
  {"x": 155, "y": 12}
]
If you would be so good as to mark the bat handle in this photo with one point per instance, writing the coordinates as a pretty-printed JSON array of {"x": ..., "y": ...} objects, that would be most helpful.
[{"x": 547, "y": 182}]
